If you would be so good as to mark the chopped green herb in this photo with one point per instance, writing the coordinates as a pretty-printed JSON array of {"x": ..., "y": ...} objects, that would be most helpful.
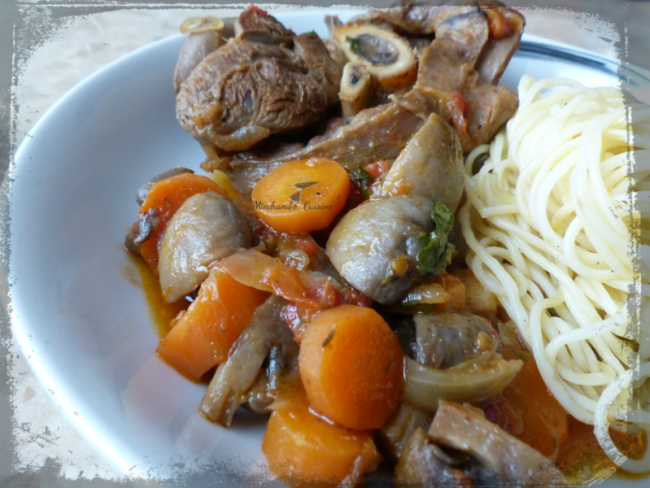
[
  {"x": 436, "y": 250},
  {"x": 355, "y": 45},
  {"x": 329, "y": 338},
  {"x": 363, "y": 180}
]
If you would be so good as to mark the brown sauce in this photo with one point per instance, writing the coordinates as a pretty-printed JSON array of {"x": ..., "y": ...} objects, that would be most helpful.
[
  {"x": 162, "y": 313},
  {"x": 583, "y": 461}
]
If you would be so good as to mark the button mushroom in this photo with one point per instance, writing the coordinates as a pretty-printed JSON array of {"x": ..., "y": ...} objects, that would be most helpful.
[
  {"x": 446, "y": 340},
  {"x": 375, "y": 246},
  {"x": 431, "y": 165},
  {"x": 207, "y": 227}
]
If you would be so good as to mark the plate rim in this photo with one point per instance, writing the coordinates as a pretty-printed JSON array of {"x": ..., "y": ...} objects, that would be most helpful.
[{"x": 67, "y": 407}]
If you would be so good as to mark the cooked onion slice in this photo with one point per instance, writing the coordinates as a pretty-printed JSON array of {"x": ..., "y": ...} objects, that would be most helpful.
[
  {"x": 356, "y": 89},
  {"x": 472, "y": 381},
  {"x": 194, "y": 25},
  {"x": 430, "y": 293},
  {"x": 386, "y": 56}
]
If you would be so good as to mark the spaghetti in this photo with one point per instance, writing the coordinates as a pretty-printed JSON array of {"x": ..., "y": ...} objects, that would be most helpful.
[{"x": 554, "y": 225}]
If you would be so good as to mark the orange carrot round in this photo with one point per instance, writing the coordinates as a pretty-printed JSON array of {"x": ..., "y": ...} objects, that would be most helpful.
[
  {"x": 204, "y": 334},
  {"x": 302, "y": 196},
  {"x": 352, "y": 366},
  {"x": 166, "y": 196},
  {"x": 304, "y": 450}
]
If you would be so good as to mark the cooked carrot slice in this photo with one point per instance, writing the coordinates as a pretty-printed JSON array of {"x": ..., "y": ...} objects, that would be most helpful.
[
  {"x": 202, "y": 336},
  {"x": 166, "y": 197},
  {"x": 352, "y": 366},
  {"x": 302, "y": 196},
  {"x": 304, "y": 450}
]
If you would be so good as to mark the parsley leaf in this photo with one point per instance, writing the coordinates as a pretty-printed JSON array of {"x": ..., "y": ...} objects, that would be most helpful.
[
  {"x": 355, "y": 45},
  {"x": 436, "y": 250},
  {"x": 363, "y": 180}
]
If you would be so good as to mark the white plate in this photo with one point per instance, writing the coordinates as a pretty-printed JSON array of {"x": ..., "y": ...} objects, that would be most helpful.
[{"x": 86, "y": 329}]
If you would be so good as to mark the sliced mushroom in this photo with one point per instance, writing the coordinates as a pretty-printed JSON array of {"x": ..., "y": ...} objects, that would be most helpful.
[
  {"x": 473, "y": 381},
  {"x": 398, "y": 429},
  {"x": 207, "y": 227},
  {"x": 375, "y": 246},
  {"x": 466, "y": 429},
  {"x": 281, "y": 368},
  {"x": 140, "y": 231},
  {"x": 446, "y": 340},
  {"x": 425, "y": 464},
  {"x": 356, "y": 89},
  {"x": 233, "y": 380},
  {"x": 386, "y": 56},
  {"x": 143, "y": 191},
  {"x": 431, "y": 165}
]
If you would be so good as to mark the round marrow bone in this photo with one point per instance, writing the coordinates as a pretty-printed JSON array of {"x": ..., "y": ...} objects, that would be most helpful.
[
  {"x": 375, "y": 246},
  {"x": 386, "y": 56},
  {"x": 356, "y": 89},
  {"x": 207, "y": 227}
]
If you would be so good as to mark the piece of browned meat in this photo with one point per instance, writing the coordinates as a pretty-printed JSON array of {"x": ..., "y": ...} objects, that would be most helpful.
[
  {"x": 255, "y": 25},
  {"x": 376, "y": 133},
  {"x": 428, "y": 18},
  {"x": 264, "y": 81},
  {"x": 490, "y": 107},
  {"x": 458, "y": 71},
  {"x": 245, "y": 91},
  {"x": 415, "y": 18},
  {"x": 448, "y": 84},
  {"x": 465, "y": 428},
  {"x": 475, "y": 108},
  {"x": 321, "y": 67},
  {"x": 465, "y": 35},
  {"x": 497, "y": 52}
]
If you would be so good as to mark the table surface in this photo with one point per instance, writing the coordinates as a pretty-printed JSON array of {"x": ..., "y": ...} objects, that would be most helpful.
[{"x": 42, "y": 436}]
